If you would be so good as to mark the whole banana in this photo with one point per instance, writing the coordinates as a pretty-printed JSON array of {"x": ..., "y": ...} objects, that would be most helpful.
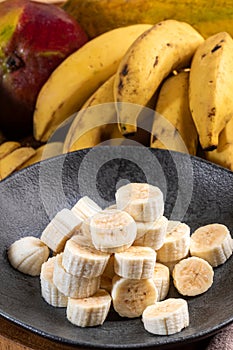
[
  {"x": 78, "y": 76},
  {"x": 173, "y": 127},
  {"x": 211, "y": 86},
  {"x": 166, "y": 46},
  {"x": 93, "y": 125}
]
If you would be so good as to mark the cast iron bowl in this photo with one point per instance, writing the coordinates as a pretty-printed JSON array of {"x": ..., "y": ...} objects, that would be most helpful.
[{"x": 195, "y": 191}]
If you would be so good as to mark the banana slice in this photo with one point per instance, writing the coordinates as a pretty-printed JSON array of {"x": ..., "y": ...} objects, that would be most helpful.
[
  {"x": 73, "y": 286},
  {"x": 213, "y": 243},
  {"x": 60, "y": 229},
  {"x": 89, "y": 312},
  {"x": 49, "y": 291},
  {"x": 135, "y": 262},
  {"x": 131, "y": 296},
  {"x": 193, "y": 276},
  {"x": 112, "y": 230},
  {"x": 161, "y": 278},
  {"x": 28, "y": 254},
  {"x": 144, "y": 202},
  {"x": 166, "y": 317},
  {"x": 176, "y": 244},
  {"x": 151, "y": 234},
  {"x": 85, "y": 208},
  {"x": 85, "y": 261}
]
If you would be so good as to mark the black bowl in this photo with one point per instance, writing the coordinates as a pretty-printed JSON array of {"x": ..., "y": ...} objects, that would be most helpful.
[{"x": 195, "y": 191}]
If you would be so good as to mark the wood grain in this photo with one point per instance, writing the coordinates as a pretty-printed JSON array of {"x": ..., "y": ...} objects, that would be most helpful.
[{"x": 13, "y": 337}]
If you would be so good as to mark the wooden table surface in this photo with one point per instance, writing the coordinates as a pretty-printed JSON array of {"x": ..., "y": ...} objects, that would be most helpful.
[{"x": 14, "y": 337}]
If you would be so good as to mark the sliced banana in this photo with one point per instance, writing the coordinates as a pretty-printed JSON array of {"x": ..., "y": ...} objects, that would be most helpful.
[
  {"x": 60, "y": 229},
  {"x": 28, "y": 254},
  {"x": 49, "y": 291},
  {"x": 151, "y": 234},
  {"x": 85, "y": 208},
  {"x": 161, "y": 278},
  {"x": 176, "y": 244},
  {"x": 213, "y": 243},
  {"x": 83, "y": 260},
  {"x": 112, "y": 230},
  {"x": 131, "y": 296},
  {"x": 91, "y": 311},
  {"x": 135, "y": 262},
  {"x": 166, "y": 317},
  {"x": 73, "y": 286},
  {"x": 193, "y": 276},
  {"x": 144, "y": 202}
]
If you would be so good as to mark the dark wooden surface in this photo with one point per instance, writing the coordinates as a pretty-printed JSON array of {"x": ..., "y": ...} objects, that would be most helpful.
[{"x": 14, "y": 337}]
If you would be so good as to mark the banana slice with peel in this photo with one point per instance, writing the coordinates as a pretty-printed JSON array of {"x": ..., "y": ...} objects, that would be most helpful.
[
  {"x": 213, "y": 243},
  {"x": 85, "y": 261},
  {"x": 131, "y": 296},
  {"x": 112, "y": 230},
  {"x": 161, "y": 278},
  {"x": 151, "y": 234},
  {"x": 14, "y": 160},
  {"x": 144, "y": 202},
  {"x": 176, "y": 244},
  {"x": 49, "y": 291},
  {"x": 193, "y": 276},
  {"x": 135, "y": 262},
  {"x": 91, "y": 311},
  {"x": 168, "y": 45},
  {"x": 60, "y": 229},
  {"x": 27, "y": 255},
  {"x": 166, "y": 317},
  {"x": 73, "y": 286},
  {"x": 85, "y": 208}
]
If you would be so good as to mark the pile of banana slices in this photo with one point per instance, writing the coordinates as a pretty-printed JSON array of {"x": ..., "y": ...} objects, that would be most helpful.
[{"x": 124, "y": 255}]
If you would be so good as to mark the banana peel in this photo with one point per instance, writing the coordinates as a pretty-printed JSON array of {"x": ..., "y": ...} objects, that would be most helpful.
[{"x": 97, "y": 17}]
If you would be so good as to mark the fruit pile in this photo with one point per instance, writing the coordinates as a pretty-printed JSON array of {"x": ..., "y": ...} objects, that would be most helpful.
[
  {"x": 123, "y": 255},
  {"x": 183, "y": 78}
]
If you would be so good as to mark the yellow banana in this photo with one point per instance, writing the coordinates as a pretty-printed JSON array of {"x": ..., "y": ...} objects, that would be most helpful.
[
  {"x": 166, "y": 46},
  {"x": 211, "y": 86},
  {"x": 173, "y": 127},
  {"x": 14, "y": 160},
  {"x": 7, "y": 147},
  {"x": 78, "y": 76},
  {"x": 93, "y": 125},
  {"x": 46, "y": 151},
  {"x": 223, "y": 154}
]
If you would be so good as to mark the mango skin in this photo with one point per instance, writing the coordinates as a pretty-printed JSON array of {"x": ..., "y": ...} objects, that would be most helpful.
[
  {"x": 98, "y": 16},
  {"x": 34, "y": 39}
]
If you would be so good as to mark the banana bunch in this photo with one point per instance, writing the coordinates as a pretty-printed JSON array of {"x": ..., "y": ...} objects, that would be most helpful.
[
  {"x": 184, "y": 80},
  {"x": 98, "y": 261},
  {"x": 14, "y": 156}
]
